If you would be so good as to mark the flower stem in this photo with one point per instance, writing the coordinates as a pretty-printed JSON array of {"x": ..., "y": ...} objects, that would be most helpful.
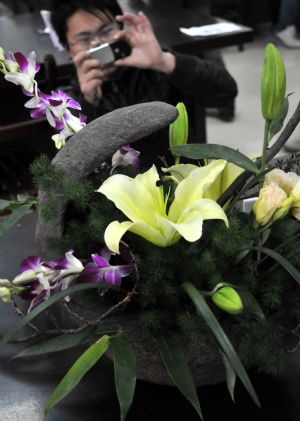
[{"x": 265, "y": 145}]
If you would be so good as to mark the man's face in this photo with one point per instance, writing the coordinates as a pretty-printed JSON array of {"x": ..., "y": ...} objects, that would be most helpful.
[{"x": 85, "y": 30}]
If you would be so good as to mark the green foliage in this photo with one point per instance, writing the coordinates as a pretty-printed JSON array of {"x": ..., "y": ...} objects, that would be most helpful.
[{"x": 160, "y": 303}]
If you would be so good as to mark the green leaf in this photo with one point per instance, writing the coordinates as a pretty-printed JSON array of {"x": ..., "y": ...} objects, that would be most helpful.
[
  {"x": 4, "y": 204},
  {"x": 125, "y": 372},
  {"x": 212, "y": 151},
  {"x": 220, "y": 337},
  {"x": 178, "y": 369},
  {"x": 81, "y": 366},
  {"x": 43, "y": 306},
  {"x": 251, "y": 305},
  {"x": 13, "y": 218},
  {"x": 282, "y": 261},
  {"x": 230, "y": 375},
  {"x": 277, "y": 123},
  {"x": 67, "y": 341},
  {"x": 26, "y": 198}
]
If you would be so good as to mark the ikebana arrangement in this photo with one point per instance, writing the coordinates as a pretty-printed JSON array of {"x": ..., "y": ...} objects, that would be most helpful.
[{"x": 169, "y": 249}]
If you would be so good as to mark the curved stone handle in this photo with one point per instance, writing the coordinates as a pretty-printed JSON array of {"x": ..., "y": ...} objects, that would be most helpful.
[{"x": 93, "y": 145}]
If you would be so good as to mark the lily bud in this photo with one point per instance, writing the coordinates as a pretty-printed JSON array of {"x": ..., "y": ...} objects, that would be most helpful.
[
  {"x": 228, "y": 300},
  {"x": 273, "y": 83},
  {"x": 178, "y": 130}
]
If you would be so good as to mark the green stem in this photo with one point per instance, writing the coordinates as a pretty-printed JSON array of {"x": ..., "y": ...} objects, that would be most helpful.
[{"x": 265, "y": 145}]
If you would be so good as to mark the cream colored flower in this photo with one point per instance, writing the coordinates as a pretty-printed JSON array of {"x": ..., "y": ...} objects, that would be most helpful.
[
  {"x": 271, "y": 198},
  {"x": 286, "y": 180}
]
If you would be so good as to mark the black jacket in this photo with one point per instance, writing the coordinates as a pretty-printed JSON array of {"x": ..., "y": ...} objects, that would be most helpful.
[{"x": 193, "y": 79}]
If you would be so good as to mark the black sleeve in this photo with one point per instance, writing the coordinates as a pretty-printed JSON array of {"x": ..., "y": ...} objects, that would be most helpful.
[{"x": 209, "y": 82}]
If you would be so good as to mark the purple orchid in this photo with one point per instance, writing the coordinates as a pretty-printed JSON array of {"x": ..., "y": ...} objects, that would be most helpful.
[
  {"x": 31, "y": 267},
  {"x": 27, "y": 68},
  {"x": 101, "y": 271},
  {"x": 53, "y": 106},
  {"x": 37, "y": 291},
  {"x": 125, "y": 156}
]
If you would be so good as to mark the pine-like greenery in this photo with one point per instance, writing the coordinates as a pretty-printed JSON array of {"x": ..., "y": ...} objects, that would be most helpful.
[{"x": 161, "y": 303}]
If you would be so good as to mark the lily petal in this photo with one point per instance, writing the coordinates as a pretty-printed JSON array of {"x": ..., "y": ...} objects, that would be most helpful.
[
  {"x": 194, "y": 186},
  {"x": 115, "y": 231},
  {"x": 125, "y": 191}
]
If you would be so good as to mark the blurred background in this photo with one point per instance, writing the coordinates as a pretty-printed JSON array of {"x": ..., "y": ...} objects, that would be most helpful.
[{"x": 238, "y": 124}]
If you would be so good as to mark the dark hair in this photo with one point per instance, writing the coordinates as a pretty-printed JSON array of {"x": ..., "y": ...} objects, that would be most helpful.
[{"x": 63, "y": 9}]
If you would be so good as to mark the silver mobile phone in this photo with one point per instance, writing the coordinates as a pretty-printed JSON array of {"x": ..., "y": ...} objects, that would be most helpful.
[{"x": 111, "y": 51}]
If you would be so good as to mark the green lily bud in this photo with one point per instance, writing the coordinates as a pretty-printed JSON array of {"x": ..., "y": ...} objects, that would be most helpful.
[
  {"x": 273, "y": 83},
  {"x": 228, "y": 300},
  {"x": 178, "y": 130}
]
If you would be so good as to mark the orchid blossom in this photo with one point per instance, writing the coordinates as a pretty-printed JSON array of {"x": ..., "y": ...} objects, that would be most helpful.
[
  {"x": 125, "y": 156},
  {"x": 40, "y": 279},
  {"x": 101, "y": 271},
  {"x": 21, "y": 70},
  {"x": 144, "y": 203}
]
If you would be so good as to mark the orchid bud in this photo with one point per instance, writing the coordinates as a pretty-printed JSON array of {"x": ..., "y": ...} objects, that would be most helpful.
[
  {"x": 178, "y": 130},
  {"x": 273, "y": 83},
  {"x": 228, "y": 300},
  {"x": 26, "y": 276},
  {"x": 4, "y": 294}
]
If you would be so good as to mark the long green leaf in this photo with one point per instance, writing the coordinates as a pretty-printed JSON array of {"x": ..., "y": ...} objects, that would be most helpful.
[
  {"x": 81, "y": 366},
  {"x": 4, "y": 204},
  {"x": 67, "y": 341},
  {"x": 221, "y": 337},
  {"x": 125, "y": 372},
  {"x": 230, "y": 375},
  {"x": 281, "y": 260},
  {"x": 212, "y": 151},
  {"x": 43, "y": 306},
  {"x": 13, "y": 218},
  {"x": 178, "y": 369}
]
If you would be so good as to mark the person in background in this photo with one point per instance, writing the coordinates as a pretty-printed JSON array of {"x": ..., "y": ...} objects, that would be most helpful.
[
  {"x": 147, "y": 74},
  {"x": 289, "y": 23}
]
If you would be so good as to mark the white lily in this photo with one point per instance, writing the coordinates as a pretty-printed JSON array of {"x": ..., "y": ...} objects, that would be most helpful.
[{"x": 143, "y": 202}]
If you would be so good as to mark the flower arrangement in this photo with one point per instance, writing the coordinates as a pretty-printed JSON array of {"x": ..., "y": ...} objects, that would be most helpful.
[{"x": 185, "y": 259}]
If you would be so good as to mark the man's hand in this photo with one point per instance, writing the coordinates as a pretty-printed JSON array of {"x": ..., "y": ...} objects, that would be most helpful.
[
  {"x": 91, "y": 75},
  {"x": 146, "y": 51}
]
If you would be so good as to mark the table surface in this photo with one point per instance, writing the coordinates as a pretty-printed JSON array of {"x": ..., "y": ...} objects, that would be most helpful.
[
  {"x": 25, "y": 384},
  {"x": 23, "y": 32}
]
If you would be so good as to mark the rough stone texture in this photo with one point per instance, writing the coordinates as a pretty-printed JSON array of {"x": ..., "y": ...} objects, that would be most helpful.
[
  {"x": 203, "y": 359},
  {"x": 95, "y": 144},
  {"x": 22, "y": 404}
]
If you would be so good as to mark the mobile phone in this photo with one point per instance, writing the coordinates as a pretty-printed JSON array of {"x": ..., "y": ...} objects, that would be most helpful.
[{"x": 111, "y": 51}]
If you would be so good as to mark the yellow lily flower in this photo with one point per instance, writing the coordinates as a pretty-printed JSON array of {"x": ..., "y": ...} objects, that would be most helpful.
[
  {"x": 144, "y": 203},
  {"x": 225, "y": 178}
]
